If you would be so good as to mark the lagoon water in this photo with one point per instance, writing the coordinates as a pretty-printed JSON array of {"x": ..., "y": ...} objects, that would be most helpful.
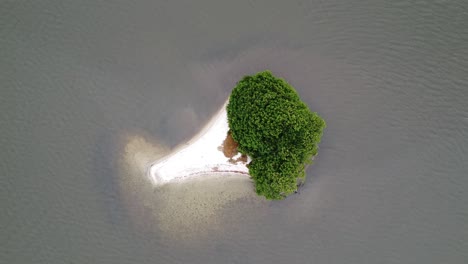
[{"x": 91, "y": 91}]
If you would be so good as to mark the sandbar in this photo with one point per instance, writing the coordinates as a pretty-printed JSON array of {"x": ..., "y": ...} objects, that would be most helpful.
[{"x": 210, "y": 152}]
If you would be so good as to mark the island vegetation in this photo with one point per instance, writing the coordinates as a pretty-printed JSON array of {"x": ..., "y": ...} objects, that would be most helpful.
[{"x": 276, "y": 129}]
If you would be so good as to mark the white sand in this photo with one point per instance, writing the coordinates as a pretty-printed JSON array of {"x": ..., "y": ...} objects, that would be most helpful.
[{"x": 202, "y": 155}]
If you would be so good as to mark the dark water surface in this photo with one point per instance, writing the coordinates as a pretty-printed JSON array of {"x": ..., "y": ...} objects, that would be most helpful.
[{"x": 78, "y": 78}]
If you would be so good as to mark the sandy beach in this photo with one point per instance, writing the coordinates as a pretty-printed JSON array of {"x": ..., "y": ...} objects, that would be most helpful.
[{"x": 205, "y": 154}]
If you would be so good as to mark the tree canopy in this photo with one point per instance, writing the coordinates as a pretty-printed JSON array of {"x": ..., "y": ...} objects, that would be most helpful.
[{"x": 276, "y": 129}]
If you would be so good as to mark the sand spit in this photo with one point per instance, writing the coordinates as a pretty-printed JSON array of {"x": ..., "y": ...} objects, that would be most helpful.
[{"x": 204, "y": 154}]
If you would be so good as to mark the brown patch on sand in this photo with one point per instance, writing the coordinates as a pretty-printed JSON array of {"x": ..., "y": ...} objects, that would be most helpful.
[
  {"x": 229, "y": 146},
  {"x": 230, "y": 149}
]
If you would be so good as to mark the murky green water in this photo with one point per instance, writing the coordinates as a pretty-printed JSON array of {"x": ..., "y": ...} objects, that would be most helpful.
[{"x": 91, "y": 90}]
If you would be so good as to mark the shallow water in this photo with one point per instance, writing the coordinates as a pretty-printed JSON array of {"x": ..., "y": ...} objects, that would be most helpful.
[{"x": 81, "y": 80}]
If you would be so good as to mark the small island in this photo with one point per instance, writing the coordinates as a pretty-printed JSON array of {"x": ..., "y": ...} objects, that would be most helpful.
[{"x": 263, "y": 132}]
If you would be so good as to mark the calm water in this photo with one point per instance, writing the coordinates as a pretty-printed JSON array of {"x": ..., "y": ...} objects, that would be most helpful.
[{"x": 81, "y": 79}]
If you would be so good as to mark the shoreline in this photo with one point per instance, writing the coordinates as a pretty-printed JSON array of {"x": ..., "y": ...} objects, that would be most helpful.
[{"x": 201, "y": 155}]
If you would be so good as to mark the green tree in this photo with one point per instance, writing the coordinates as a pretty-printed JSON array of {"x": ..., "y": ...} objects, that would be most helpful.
[{"x": 276, "y": 129}]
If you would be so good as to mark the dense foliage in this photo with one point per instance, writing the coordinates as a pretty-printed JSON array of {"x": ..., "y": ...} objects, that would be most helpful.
[{"x": 276, "y": 129}]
